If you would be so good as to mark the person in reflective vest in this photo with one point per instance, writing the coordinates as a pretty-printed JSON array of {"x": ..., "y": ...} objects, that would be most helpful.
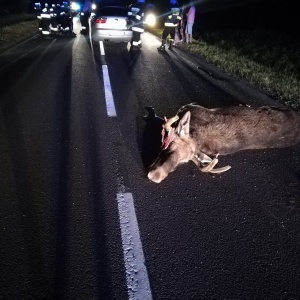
[
  {"x": 136, "y": 16},
  {"x": 170, "y": 25},
  {"x": 84, "y": 16},
  {"x": 45, "y": 20},
  {"x": 54, "y": 18},
  {"x": 66, "y": 20}
]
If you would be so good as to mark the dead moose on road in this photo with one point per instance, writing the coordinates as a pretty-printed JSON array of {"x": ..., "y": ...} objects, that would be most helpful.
[{"x": 201, "y": 135}]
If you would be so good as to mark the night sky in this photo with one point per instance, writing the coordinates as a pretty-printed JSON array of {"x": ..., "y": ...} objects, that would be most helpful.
[
  {"x": 269, "y": 14},
  {"x": 280, "y": 15}
]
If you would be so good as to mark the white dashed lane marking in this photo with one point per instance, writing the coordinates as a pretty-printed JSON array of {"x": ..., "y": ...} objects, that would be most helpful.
[
  {"x": 109, "y": 99},
  {"x": 137, "y": 279}
]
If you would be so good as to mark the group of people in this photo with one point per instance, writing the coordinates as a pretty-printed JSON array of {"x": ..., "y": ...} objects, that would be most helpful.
[
  {"x": 51, "y": 15},
  {"x": 59, "y": 17},
  {"x": 180, "y": 21},
  {"x": 56, "y": 18}
]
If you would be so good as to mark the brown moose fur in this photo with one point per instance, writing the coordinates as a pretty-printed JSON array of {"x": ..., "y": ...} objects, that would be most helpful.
[{"x": 225, "y": 130}]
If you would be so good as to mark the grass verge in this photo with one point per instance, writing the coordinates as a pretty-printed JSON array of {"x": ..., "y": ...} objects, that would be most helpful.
[
  {"x": 14, "y": 34},
  {"x": 269, "y": 60}
]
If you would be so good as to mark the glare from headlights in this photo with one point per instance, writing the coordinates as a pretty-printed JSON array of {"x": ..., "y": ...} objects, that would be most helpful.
[
  {"x": 75, "y": 6},
  {"x": 150, "y": 20},
  {"x": 94, "y": 6}
]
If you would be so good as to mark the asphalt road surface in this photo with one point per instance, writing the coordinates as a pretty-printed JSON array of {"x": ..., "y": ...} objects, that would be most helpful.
[{"x": 79, "y": 219}]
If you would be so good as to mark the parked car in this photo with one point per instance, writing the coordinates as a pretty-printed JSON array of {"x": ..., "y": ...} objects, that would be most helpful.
[{"x": 110, "y": 23}]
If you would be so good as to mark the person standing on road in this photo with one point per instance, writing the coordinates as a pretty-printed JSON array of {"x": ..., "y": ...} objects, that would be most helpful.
[
  {"x": 190, "y": 15},
  {"x": 45, "y": 20},
  {"x": 182, "y": 24},
  {"x": 85, "y": 15},
  {"x": 170, "y": 25},
  {"x": 66, "y": 19},
  {"x": 136, "y": 16}
]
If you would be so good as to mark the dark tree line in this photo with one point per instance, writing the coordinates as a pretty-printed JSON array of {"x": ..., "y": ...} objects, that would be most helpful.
[{"x": 14, "y": 6}]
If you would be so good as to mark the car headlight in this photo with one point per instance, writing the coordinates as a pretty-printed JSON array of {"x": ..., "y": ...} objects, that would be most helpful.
[
  {"x": 150, "y": 20},
  {"x": 75, "y": 6},
  {"x": 94, "y": 6}
]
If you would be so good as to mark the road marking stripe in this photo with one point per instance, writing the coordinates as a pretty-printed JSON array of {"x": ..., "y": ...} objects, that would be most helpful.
[
  {"x": 102, "y": 52},
  {"x": 136, "y": 272},
  {"x": 109, "y": 99},
  {"x": 138, "y": 285}
]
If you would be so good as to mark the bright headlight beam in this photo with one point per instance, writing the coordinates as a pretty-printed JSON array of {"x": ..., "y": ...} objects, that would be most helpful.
[
  {"x": 150, "y": 20},
  {"x": 75, "y": 6}
]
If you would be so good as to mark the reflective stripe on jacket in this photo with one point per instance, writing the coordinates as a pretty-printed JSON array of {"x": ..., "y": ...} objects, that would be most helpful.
[
  {"x": 172, "y": 21},
  {"x": 138, "y": 29}
]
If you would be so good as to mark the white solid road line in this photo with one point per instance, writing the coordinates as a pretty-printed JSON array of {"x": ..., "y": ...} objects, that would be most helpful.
[
  {"x": 101, "y": 48},
  {"x": 137, "y": 279},
  {"x": 109, "y": 99},
  {"x": 136, "y": 272}
]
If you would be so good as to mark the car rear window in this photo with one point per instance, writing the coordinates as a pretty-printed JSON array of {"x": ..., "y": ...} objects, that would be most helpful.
[{"x": 112, "y": 11}]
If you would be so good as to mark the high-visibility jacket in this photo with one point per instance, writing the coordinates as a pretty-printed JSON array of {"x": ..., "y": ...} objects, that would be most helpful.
[
  {"x": 45, "y": 21},
  {"x": 136, "y": 14},
  {"x": 173, "y": 19}
]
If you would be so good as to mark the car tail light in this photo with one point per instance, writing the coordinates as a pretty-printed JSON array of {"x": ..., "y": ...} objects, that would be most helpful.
[{"x": 101, "y": 21}]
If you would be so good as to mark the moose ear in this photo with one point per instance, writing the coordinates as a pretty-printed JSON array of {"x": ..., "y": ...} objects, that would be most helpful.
[{"x": 183, "y": 127}]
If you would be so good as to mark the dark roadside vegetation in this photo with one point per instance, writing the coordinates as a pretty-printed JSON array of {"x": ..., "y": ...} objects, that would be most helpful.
[
  {"x": 18, "y": 22},
  {"x": 256, "y": 40}
]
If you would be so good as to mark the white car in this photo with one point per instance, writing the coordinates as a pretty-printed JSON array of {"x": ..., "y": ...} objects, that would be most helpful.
[{"x": 110, "y": 23}]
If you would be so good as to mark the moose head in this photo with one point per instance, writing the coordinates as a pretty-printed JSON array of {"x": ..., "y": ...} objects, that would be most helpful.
[{"x": 202, "y": 134}]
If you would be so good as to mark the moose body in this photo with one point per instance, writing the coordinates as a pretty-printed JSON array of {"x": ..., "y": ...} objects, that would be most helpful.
[{"x": 204, "y": 133}]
